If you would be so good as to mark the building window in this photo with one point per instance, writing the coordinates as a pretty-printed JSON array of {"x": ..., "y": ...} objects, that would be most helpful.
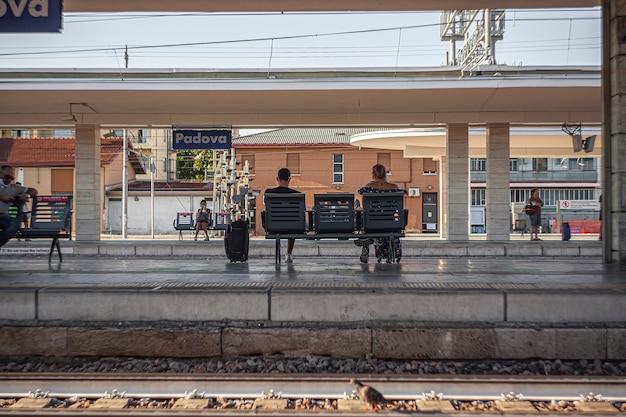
[
  {"x": 514, "y": 164},
  {"x": 62, "y": 181},
  {"x": 540, "y": 164},
  {"x": 580, "y": 164},
  {"x": 479, "y": 196},
  {"x": 141, "y": 138},
  {"x": 429, "y": 167},
  {"x": 384, "y": 158},
  {"x": 293, "y": 163},
  {"x": 250, "y": 158},
  {"x": 429, "y": 197},
  {"x": 337, "y": 168},
  {"x": 478, "y": 164}
]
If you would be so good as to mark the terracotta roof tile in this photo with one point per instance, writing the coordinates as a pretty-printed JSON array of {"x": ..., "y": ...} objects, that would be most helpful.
[
  {"x": 37, "y": 152},
  {"x": 25, "y": 152},
  {"x": 167, "y": 186}
]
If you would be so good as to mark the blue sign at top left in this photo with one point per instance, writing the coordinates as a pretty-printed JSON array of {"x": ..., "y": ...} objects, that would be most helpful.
[{"x": 31, "y": 16}]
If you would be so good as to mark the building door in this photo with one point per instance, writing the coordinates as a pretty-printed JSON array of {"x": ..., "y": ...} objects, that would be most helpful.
[
  {"x": 430, "y": 224},
  {"x": 114, "y": 216}
]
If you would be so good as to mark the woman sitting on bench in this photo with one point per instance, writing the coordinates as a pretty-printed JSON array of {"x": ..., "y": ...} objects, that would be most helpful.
[
  {"x": 202, "y": 220},
  {"x": 379, "y": 184}
]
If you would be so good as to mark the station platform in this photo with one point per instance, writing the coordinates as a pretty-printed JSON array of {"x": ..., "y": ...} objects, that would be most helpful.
[
  {"x": 414, "y": 245},
  {"x": 445, "y": 300}
]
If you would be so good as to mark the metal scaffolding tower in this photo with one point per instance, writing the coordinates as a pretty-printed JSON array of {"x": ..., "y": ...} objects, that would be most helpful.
[{"x": 479, "y": 45}]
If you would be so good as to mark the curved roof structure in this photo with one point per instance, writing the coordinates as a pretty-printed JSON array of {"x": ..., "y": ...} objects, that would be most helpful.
[
  {"x": 524, "y": 142},
  {"x": 301, "y": 98}
]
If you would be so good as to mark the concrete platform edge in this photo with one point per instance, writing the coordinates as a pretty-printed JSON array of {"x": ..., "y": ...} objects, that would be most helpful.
[
  {"x": 400, "y": 342},
  {"x": 261, "y": 248}
]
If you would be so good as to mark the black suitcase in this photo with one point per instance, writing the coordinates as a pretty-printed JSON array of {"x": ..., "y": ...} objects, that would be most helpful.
[
  {"x": 236, "y": 241},
  {"x": 566, "y": 232}
]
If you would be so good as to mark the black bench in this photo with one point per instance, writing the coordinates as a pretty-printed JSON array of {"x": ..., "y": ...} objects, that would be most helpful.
[
  {"x": 334, "y": 217},
  {"x": 184, "y": 221},
  {"x": 51, "y": 218}
]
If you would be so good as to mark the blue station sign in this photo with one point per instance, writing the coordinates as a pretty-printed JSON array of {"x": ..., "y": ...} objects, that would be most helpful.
[
  {"x": 31, "y": 16},
  {"x": 202, "y": 139}
]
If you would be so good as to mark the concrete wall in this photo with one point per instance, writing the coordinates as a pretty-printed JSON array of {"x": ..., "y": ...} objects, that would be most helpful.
[{"x": 438, "y": 324}]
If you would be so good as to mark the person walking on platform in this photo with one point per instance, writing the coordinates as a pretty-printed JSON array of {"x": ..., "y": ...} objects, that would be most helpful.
[
  {"x": 379, "y": 184},
  {"x": 535, "y": 217},
  {"x": 203, "y": 216},
  {"x": 283, "y": 179}
]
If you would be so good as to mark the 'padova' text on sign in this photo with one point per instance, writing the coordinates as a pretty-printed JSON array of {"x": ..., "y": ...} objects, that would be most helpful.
[
  {"x": 202, "y": 139},
  {"x": 30, "y": 15}
]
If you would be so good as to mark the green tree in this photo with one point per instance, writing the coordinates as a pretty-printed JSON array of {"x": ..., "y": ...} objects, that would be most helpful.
[{"x": 194, "y": 164}]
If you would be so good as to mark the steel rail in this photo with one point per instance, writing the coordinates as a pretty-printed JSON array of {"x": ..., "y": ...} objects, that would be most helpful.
[{"x": 323, "y": 386}]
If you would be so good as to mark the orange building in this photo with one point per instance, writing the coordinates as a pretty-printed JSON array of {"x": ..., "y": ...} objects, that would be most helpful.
[
  {"x": 47, "y": 164},
  {"x": 322, "y": 160}
]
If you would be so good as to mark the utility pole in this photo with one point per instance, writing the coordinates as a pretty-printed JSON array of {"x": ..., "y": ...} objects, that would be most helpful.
[{"x": 125, "y": 188}]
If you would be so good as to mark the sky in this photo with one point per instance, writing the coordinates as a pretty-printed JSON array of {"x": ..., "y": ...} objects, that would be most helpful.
[{"x": 294, "y": 40}]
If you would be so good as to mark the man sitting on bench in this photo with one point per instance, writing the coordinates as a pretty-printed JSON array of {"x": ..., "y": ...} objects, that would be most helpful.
[
  {"x": 10, "y": 194},
  {"x": 283, "y": 179}
]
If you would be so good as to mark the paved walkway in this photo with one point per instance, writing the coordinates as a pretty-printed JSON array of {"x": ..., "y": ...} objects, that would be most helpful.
[
  {"x": 414, "y": 246},
  {"x": 344, "y": 269}
]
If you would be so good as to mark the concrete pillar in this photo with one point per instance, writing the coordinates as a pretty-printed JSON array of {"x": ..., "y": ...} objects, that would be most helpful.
[
  {"x": 457, "y": 190},
  {"x": 88, "y": 202},
  {"x": 498, "y": 182},
  {"x": 614, "y": 133}
]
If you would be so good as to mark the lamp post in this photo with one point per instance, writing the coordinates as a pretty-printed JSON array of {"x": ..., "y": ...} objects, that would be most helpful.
[
  {"x": 152, "y": 169},
  {"x": 125, "y": 187}
]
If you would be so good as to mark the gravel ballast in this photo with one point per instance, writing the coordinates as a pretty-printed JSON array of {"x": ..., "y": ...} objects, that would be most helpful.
[{"x": 313, "y": 364}]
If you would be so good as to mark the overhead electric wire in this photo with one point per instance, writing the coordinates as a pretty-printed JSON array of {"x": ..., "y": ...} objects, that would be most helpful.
[
  {"x": 261, "y": 39},
  {"x": 97, "y": 17}
]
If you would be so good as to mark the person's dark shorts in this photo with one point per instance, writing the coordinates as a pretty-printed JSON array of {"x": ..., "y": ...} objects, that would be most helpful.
[{"x": 535, "y": 220}]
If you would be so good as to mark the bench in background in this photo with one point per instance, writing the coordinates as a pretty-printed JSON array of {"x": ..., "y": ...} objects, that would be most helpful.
[
  {"x": 334, "y": 217},
  {"x": 51, "y": 218},
  {"x": 184, "y": 221},
  {"x": 520, "y": 226}
]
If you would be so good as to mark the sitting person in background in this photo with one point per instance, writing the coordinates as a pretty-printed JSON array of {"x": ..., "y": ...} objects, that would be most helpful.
[
  {"x": 202, "y": 220},
  {"x": 379, "y": 184},
  {"x": 10, "y": 194},
  {"x": 283, "y": 178}
]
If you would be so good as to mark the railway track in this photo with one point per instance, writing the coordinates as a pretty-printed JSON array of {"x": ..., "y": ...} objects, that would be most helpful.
[{"x": 245, "y": 394}]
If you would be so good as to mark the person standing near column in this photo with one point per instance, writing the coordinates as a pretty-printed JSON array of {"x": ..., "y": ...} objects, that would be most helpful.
[{"x": 535, "y": 218}]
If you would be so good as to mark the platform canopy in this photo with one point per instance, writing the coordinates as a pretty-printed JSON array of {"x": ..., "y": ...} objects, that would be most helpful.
[
  {"x": 358, "y": 97},
  {"x": 524, "y": 142}
]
